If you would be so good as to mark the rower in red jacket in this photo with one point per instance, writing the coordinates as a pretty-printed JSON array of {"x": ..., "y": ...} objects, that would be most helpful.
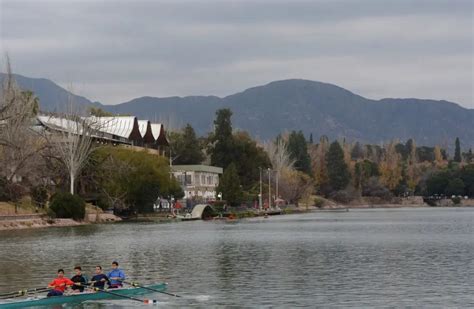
[{"x": 59, "y": 284}]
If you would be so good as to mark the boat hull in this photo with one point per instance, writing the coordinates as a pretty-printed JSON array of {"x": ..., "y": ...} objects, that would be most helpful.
[{"x": 81, "y": 297}]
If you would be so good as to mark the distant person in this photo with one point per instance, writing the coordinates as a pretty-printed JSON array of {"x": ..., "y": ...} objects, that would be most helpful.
[
  {"x": 80, "y": 280},
  {"x": 116, "y": 276},
  {"x": 59, "y": 284},
  {"x": 99, "y": 280}
]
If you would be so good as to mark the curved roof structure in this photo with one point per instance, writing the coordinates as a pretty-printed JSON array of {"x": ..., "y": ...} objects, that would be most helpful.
[
  {"x": 123, "y": 126},
  {"x": 156, "y": 129},
  {"x": 61, "y": 124},
  {"x": 143, "y": 126},
  {"x": 159, "y": 134},
  {"x": 146, "y": 131}
]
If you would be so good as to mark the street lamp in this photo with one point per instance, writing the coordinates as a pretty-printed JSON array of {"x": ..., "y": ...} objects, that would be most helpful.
[
  {"x": 269, "y": 188},
  {"x": 260, "y": 195}
]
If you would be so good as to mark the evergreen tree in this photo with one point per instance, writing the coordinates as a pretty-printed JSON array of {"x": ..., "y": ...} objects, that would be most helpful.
[
  {"x": 186, "y": 147},
  {"x": 457, "y": 151},
  {"x": 357, "y": 152},
  {"x": 338, "y": 172},
  {"x": 248, "y": 157},
  {"x": 468, "y": 156},
  {"x": 311, "y": 138},
  {"x": 229, "y": 186},
  {"x": 299, "y": 152},
  {"x": 222, "y": 142}
]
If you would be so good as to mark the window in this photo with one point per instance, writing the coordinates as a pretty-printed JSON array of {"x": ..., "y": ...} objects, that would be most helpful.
[{"x": 188, "y": 180}]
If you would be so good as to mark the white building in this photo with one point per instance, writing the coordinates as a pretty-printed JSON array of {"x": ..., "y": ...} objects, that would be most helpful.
[{"x": 198, "y": 181}]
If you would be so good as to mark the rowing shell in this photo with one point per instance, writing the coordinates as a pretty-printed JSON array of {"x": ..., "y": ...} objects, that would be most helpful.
[{"x": 80, "y": 297}]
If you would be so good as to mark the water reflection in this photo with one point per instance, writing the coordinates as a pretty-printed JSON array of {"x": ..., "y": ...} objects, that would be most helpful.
[{"x": 368, "y": 258}]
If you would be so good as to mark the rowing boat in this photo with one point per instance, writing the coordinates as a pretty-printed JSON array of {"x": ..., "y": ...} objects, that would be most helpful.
[{"x": 81, "y": 297}]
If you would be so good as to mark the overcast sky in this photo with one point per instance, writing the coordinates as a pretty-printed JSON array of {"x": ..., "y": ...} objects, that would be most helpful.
[{"x": 113, "y": 51}]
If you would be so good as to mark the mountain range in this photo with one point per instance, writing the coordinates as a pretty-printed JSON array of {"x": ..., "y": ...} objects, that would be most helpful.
[{"x": 314, "y": 107}]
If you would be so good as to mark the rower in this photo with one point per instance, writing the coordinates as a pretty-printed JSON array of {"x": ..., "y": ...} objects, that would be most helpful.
[
  {"x": 116, "y": 276},
  {"x": 99, "y": 280},
  {"x": 79, "y": 280},
  {"x": 59, "y": 284}
]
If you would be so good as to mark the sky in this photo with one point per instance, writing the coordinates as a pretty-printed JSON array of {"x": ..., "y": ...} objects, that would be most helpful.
[{"x": 114, "y": 51}]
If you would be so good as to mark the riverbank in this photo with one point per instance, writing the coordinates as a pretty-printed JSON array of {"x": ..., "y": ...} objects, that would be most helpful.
[
  {"x": 28, "y": 223},
  {"x": 26, "y": 217}
]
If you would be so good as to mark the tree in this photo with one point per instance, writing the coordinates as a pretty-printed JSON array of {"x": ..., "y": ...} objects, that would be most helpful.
[
  {"x": 438, "y": 157},
  {"x": 279, "y": 155},
  {"x": 457, "y": 151},
  {"x": 311, "y": 138},
  {"x": 248, "y": 158},
  {"x": 295, "y": 186},
  {"x": 299, "y": 152},
  {"x": 363, "y": 171},
  {"x": 319, "y": 164},
  {"x": 222, "y": 140},
  {"x": 455, "y": 187},
  {"x": 72, "y": 144},
  {"x": 131, "y": 179},
  {"x": 468, "y": 156},
  {"x": 357, "y": 152},
  {"x": 99, "y": 112},
  {"x": 19, "y": 145},
  {"x": 229, "y": 186},
  {"x": 186, "y": 147},
  {"x": 437, "y": 183},
  {"x": 339, "y": 176},
  {"x": 390, "y": 167}
]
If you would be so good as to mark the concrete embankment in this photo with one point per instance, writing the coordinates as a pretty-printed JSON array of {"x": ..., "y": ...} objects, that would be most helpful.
[
  {"x": 34, "y": 221},
  {"x": 11, "y": 221}
]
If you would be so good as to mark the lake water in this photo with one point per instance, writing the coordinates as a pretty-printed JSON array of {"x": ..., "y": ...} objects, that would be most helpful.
[{"x": 362, "y": 258}]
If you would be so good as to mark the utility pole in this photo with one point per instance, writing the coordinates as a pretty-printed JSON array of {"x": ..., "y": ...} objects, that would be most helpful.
[
  {"x": 276, "y": 184},
  {"x": 171, "y": 164},
  {"x": 260, "y": 195},
  {"x": 269, "y": 188}
]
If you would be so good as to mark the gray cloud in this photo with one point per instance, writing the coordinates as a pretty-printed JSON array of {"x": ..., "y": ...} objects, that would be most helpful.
[{"x": 113, "y": 51}]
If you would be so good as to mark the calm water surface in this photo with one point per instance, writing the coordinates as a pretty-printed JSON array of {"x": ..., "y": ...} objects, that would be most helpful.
[{"x": 363, "y": 258}]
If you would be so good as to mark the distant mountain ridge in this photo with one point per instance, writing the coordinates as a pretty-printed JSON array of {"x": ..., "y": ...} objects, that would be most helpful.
[
  {"x": 53, "y": 98},
  {"x": 296, "y": 104}
]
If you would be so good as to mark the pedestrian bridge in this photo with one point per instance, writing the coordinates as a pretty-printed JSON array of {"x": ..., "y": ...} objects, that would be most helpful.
[{"x": 202, "y": 211}]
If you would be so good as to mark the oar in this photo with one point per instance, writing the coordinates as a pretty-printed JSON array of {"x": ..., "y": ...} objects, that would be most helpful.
[
  {"x": 150, "y": 289},
  {"x": 146, "y": 301},
  {"x": 22, "y": 292}
]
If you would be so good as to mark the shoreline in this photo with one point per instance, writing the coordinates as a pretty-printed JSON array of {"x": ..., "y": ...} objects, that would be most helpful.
[{"x": 11, "y": 224}]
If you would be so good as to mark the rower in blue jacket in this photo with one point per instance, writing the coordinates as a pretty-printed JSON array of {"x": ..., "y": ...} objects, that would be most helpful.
[{"x": 116, "y": 276}]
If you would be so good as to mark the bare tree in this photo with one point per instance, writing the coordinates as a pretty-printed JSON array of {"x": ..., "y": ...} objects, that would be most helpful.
[
  {"x": 71, "y": 139},
  {"x": 279, "y": 155},
  {"x": 19, "y": 143}
]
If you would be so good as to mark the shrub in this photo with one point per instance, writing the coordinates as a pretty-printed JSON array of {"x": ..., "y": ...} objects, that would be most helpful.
[
  {"x": 66, "y": 205},
  {"x": 343, "y": 196},
  {"x": 15, "y": 192},
  {"x": 39, "y": 195},
  {"x": 376, "y": 189},
  {"x": 104, "y": 203},
  {"x": 51, "y": 214},
  {"x": 3, "y": 189},
  {"x": 318, "y": 202},
  {"x": 456, "y": 200}
]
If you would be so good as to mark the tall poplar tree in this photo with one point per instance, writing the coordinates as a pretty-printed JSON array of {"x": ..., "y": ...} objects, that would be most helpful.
[
  {"x": 457, "y": 151},
  {"x": 338, "y": 172}
]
